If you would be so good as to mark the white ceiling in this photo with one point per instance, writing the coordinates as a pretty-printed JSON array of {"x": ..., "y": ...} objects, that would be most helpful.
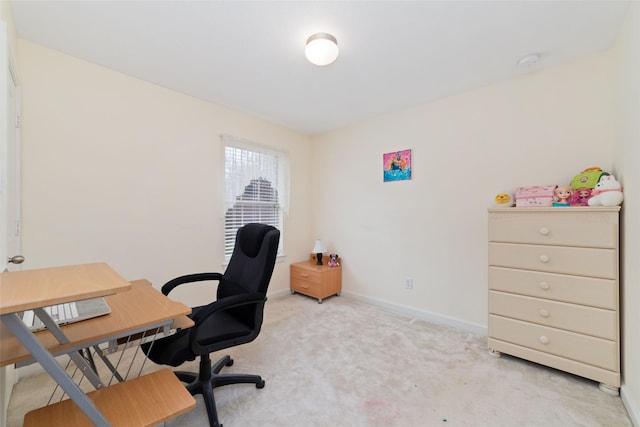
[{"x": 249, "y": 55}]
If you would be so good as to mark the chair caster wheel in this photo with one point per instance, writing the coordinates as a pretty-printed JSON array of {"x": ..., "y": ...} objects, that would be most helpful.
[
  {"x": 229, "y": 363},
  {"x": 260, "y": 384}
]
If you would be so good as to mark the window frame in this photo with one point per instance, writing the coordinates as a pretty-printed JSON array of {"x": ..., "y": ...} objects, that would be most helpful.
[{"x": 238, "y": 194}]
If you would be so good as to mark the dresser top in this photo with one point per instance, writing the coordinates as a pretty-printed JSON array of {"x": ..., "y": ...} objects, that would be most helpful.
[{"x": 560, "y": 209}]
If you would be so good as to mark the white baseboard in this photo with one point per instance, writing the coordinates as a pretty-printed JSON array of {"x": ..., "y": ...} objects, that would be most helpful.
[
  {"x": 408, "y": 311},
  {"x": 421, "y": 314},
  {"x": 632, "y": 410}
]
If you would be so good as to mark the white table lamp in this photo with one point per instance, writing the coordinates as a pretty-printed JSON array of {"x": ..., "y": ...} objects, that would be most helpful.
[{"x": 318, "y": 249}]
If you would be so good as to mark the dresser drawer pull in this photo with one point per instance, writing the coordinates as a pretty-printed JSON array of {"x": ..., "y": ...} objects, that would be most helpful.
[
  {"x": 544, "y": 340},
  {"x": 544, "y": 285},
  {"x": 543, "y": 312},
  {"x": 304, "y": 275},
  {"x": 544, "y": 231},
  {"x": 544, "y": 258}
]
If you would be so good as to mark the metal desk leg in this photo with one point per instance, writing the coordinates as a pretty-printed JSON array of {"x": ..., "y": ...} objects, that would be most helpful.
[
  {"x": 22, "y": 333},
  {"x": 77, "y": 357}
]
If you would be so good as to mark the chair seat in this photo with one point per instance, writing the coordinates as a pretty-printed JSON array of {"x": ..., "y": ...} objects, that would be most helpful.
[{"x": 174, "y": 350}]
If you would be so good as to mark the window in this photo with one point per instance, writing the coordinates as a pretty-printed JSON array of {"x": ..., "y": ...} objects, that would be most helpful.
[{"x": 256, "y": 184}]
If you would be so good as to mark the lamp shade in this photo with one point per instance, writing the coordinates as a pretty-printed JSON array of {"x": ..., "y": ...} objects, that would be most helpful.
[
  {"x": 322, "y": 49},
  {"x": 318, "y": 248}
]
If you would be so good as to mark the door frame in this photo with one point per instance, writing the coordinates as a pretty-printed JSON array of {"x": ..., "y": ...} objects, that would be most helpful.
[{"x": 10, "y": 235}]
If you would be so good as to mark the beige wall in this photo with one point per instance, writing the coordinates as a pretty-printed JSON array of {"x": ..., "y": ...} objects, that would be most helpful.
[
  {"x": 542, "y": 128},
  {"x": 627, "y": 156},
  {"x": 7, "y": 17},
  {"x": 123, "y": 171}
]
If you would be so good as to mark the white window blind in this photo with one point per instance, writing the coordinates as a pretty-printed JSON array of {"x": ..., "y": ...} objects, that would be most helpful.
[{"x": 256, "y": 186}]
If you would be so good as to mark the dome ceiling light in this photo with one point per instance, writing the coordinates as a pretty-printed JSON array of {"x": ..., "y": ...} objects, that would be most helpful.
[{"x": 322, "y": 49}]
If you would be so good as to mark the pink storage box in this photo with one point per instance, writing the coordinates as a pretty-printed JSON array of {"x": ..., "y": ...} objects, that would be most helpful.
[
  {"x": 535, "y": 196},
  {"x": 534, "y": 202},
  {"x": 535, "y": 191}
]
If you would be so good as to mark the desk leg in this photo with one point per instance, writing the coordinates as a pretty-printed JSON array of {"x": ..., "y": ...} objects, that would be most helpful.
[
  {"x": 22, "y": 333},
  {"x": 77, "y": 357}
]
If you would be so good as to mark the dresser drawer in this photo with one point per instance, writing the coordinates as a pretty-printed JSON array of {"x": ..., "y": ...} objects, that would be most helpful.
[
  {"x": 589, "y": 291},
  {"x": 559, "y": 226},
  {"x": 305, "y": 274},
  {"x": 557, "y": 259},
  {"x": 596, "y": 322},
  {"x": 582, "y": 348}
]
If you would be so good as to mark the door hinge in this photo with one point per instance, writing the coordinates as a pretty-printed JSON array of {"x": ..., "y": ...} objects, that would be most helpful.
[
  {"x": 18, "y": 120},
  {"x": 18, "y": 227}
]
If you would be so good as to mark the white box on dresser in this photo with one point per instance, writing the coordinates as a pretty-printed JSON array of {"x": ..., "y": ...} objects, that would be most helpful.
[{"x": 554, "y": 289}]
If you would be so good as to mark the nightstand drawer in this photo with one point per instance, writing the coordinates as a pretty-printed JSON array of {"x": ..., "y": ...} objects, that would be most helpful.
[
  {"x": 565, "y": 227},
  {"x": 596, "y": 322},
  {"x": 305, "y": 274},
  {"x": 582, "y": 348},
  {"x": 589, "y": 291},
  {"x": 306, "y": 287},
  {"x": 556, "y": 259}
]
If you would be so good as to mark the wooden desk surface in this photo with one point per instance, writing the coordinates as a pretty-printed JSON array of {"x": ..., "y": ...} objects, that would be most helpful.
[
  {"x": 142, "y": 306},
  {"x": 23, "y": 290}
]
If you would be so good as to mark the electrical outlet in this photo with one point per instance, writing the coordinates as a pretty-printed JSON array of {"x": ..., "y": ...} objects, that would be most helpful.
[{"x": 408, "y": 283}]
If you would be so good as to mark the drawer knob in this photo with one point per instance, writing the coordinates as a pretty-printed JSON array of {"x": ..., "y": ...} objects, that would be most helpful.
[
  {"x": 544, "y": 258},
  {"x": 544, "y": 285},
  {"x": 544, "y": 340},
  {"x": 544, "y": 231},
  {"x": 543, "y": 312}
]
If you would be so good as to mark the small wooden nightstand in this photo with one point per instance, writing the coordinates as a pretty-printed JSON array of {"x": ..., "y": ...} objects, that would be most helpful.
[{"x": 318, "y": 281}]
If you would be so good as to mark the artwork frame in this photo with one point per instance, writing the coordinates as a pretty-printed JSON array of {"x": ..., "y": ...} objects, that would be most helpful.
[{"x": 396, "y": 165}]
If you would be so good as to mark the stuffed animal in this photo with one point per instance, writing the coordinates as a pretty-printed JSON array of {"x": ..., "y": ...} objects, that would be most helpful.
[
  {"x": 504, "y": 200},
  {"x": 607, "y": 192},
  {"x": 333, "y": 260}
]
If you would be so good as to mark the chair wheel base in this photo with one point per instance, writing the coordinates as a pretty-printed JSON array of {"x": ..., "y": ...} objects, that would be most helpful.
[{"x": 209, "y": 378}]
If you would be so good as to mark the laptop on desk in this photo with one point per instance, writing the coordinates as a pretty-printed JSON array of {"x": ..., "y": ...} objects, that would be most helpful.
[{"x": 68, "y": 312}]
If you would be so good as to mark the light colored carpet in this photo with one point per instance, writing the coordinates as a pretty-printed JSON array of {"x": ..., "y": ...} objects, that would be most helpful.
[{"x": 348, "y": 363}]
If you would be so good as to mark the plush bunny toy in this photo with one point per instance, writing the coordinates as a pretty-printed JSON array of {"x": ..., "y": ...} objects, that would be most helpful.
[{"x": 607, "y": 192}]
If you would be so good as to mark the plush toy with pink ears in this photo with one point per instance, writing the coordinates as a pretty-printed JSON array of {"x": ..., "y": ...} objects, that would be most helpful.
[
  {"x": 333, "y": 260},
  {"x": 607, "y": 192}
]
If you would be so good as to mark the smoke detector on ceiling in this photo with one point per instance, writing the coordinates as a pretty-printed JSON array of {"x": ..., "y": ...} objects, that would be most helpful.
[{"x": 529, "y": 61}]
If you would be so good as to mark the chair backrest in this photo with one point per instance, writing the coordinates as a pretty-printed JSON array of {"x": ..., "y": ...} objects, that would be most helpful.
[{"x": 252, "y": 261}]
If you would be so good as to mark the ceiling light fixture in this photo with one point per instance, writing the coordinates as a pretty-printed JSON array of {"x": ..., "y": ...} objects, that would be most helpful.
[{"x": 322, "y": 49}]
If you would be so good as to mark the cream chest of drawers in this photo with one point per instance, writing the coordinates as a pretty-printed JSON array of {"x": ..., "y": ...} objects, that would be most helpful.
[{"x": 553, "y": 289}]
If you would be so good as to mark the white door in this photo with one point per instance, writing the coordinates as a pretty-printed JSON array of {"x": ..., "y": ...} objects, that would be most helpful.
[
  {"x": 9, "y": 186},
  {"x": 10, "y": 200}
]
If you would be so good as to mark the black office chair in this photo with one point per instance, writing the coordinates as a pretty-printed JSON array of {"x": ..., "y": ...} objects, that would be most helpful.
[{"x": 234, "y": 318}]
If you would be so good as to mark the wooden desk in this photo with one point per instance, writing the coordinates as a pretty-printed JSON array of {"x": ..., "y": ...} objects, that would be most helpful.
[
  {"x": 24, "y": 290},
  {"x": 140, "y": 309},
  {"x": 135, "y": 308}
]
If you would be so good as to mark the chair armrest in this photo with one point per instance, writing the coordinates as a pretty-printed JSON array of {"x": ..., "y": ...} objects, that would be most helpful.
[
  {"x": 221, "y": 305},
  {"x": 227, "y": 303},
  {"x": 189, "y": 278}
]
